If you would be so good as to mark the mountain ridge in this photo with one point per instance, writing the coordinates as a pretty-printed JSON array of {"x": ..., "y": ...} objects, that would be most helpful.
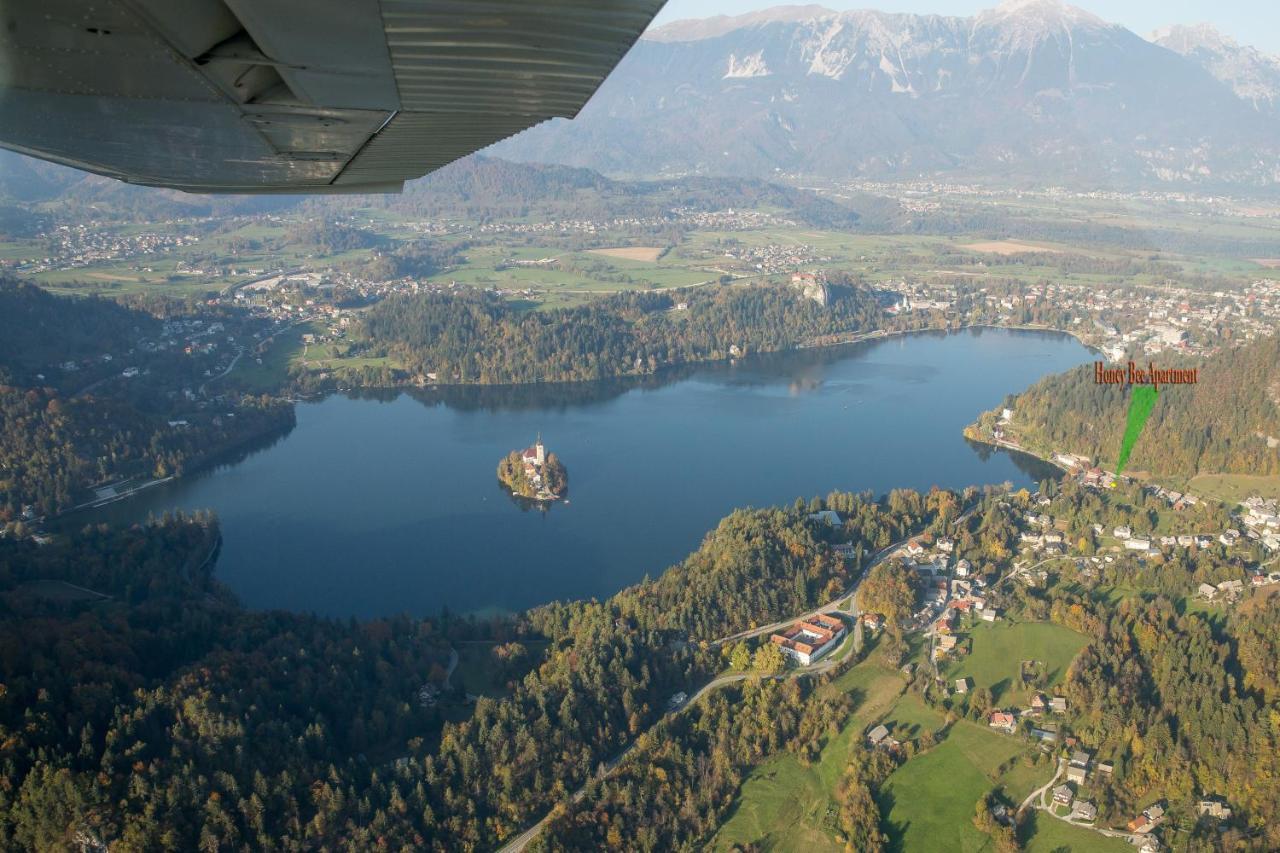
[{"x": 1034, "y": 89}]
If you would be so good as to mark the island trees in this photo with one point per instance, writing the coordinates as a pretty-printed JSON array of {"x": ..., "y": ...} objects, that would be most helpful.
[
  {"x": 511, "y": 474},
  {"x": 533, "y": 473}
]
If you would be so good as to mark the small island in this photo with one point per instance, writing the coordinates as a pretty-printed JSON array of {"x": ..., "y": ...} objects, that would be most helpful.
[{"x": 533, "y": 473}]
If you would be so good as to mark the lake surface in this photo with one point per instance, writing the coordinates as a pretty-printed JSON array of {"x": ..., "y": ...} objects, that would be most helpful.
[{"x": 390, "y": 503}]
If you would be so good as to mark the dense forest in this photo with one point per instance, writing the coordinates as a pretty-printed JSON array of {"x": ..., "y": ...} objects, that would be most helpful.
[
  {"x": 53, "y": 447},
  {"x": 38, "y": 330},
  {"x": 165, "y": 716},
  {"x": 674, "y": 793},
  {"x": 470, "y": 337},
  {"x": 1220, "y": 424},
  {"x": 168, "y": 717}
]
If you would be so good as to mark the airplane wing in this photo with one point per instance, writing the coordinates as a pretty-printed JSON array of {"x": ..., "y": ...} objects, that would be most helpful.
[{"x": 295, "y": 96}]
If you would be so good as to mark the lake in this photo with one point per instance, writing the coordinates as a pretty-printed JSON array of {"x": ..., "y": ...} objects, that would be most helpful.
[{"x": 387, "y": 503}]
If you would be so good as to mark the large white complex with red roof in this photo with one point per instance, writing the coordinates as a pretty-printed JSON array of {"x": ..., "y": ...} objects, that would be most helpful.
[{"x": 810, "y": 639}]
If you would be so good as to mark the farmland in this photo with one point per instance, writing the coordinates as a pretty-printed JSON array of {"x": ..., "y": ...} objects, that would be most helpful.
[{"x": 999, "y": 649}]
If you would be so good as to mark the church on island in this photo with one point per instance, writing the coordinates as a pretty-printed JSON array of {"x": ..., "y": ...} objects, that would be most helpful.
[
  {"x": 533, "y": 473},
  {"x": 534, "y": 458}
]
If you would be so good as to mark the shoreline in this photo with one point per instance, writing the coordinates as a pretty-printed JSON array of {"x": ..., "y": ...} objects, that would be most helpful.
[
  {"x": 855, "y": 338},
  {"x": 1012, "y": 448},
  {"x": 220, "y": 457},
  {"x": 207, "y": 462},
  {"x": 878, "y": 334}
]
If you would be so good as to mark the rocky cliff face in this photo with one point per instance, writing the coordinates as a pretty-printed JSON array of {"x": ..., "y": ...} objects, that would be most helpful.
[
  {"x": 1031, "y": 89},
  {"x": 1253, "y": 75}
]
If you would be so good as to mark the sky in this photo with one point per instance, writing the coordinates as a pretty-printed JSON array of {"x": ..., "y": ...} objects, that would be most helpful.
[{"x": 1255, "y": 22}]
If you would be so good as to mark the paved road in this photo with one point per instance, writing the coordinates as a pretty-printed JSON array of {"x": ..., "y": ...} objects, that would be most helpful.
[
  {"x": 1039, "y": 792},
  {"x": 830, "y": 606},
  {"x": 517, "y": 844},
  {"x": 828, "y": 663},
  {"x": 1039, "y": 804},
  {"x": 230, "y": 367}
]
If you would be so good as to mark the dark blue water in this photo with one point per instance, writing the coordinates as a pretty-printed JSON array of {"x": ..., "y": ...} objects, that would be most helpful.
[{"x": 378, "y": 506}]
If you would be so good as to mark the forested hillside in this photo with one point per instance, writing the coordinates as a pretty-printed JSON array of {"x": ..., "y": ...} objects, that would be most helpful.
[
  {"x": 52, "y": 447},
  {"x": 38, "y": 330},
  {"x": 58, "y": 437},
  {"x": 1220, "y": 424},
  {"x": 469, "y": 337},
  {"x": 486, "y": 187},
  {"x": 170, "y": 718}
]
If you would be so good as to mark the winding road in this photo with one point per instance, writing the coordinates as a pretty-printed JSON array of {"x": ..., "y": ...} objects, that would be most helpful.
[
  {"x": 517, "y": 844},
  {"x": 1039, "y": 792}
]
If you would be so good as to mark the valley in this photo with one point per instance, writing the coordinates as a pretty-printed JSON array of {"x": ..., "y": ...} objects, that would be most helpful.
[{"x": 830, "y": 312}]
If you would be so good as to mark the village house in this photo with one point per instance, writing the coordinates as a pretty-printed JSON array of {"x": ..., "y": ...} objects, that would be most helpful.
[
  {"x": 1078, "y": 767},
  {"x": 1232, "y": 589},
  {"x": 1062, "y": 795},
  {"x": 1085, "y": 811},
  {"x": 827, "y": 516},
  {"x": 1151, "y": 817},
  {"x": 1058, "y": 705},
  {"x": 1139, "y": 825},
  {"x": 962, "y": 685},
  {"x": 1004, "y": 721},
  {"x": 808, "y": 640},
  {"x": 878, "y": 737},
  {"x": 1214, "y": 808}
]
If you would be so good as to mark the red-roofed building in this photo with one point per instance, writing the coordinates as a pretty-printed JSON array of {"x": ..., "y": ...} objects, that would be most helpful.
[
  {"x": 1003, "y": 720},
  {"x": 810, "y": 639}
]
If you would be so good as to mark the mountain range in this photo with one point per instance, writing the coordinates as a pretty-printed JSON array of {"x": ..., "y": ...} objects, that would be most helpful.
[
  {"x": 1027, "y": 93},
  {"x": 1032, "y": 90}
]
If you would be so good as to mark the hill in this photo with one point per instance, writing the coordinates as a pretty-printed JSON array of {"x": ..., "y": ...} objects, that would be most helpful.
[
  {"x": 469, "y": 337},
  {"x": 1222, "y": 424},
  {"x": 38, "y": 329}
]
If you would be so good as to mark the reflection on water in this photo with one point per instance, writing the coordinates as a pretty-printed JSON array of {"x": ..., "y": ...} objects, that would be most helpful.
[{"x": 384, "y": 501}]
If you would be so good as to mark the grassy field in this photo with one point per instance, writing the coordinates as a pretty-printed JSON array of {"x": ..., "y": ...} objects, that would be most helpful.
[
  {"x": 1007, "y": 247},
  {"x": 574, "y": 275},
  {"x": 999, "y": 649},
  {"x": 632, "y": 253},
  {"x": 932, "y": 796},
  {"x": 274, "y": 370},
  {"x": 1233, "y": 488},
  {"x": 121, "y": 279},
  {"x": 785, "y": 806},
  {"x": 1054, "y": 836}
]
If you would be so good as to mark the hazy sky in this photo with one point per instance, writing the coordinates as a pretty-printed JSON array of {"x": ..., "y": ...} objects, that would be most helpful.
[{"x": 1255, "y": 22}]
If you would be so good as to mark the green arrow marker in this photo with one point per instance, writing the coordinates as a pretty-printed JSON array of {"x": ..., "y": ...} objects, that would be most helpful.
[{"x": 1141, "y": 401}]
